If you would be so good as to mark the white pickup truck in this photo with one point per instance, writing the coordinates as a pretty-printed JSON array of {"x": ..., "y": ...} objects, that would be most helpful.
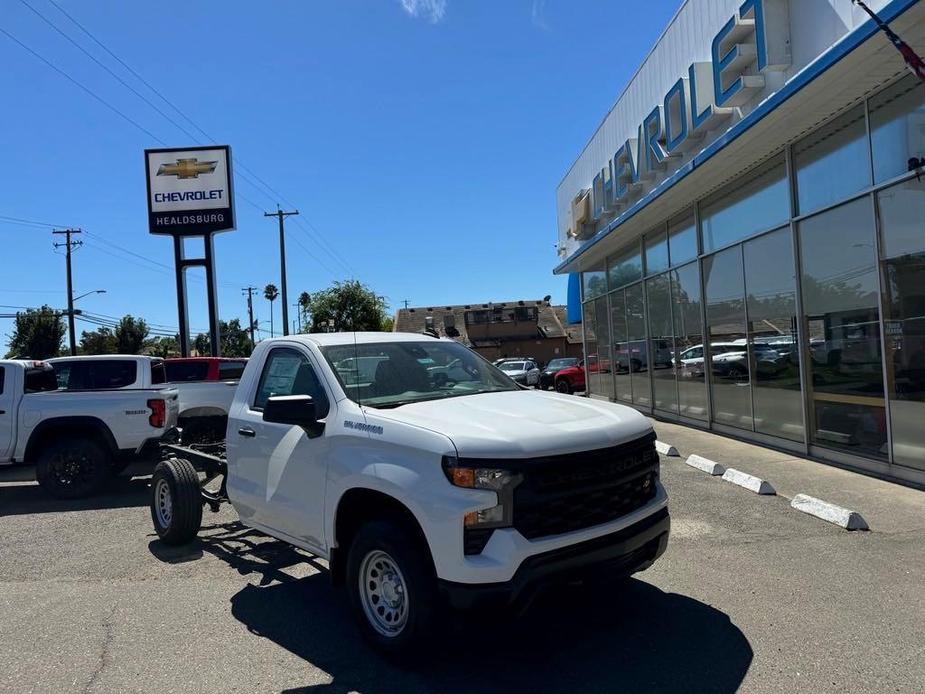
[
  {"x": 79, "y": 438},
  {"x": 203, "y": 403},
  {"x": 422, "y": 489}
]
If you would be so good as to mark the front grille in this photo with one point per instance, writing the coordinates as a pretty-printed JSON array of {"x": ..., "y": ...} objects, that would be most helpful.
[{"x": 562, "y": 494}]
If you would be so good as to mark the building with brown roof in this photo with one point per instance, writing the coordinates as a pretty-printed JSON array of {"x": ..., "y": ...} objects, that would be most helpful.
[{"x": 523, "y": 328}]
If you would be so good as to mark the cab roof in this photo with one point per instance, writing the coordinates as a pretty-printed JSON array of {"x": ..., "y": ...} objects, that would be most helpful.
[{"x": 360, "y": 338}]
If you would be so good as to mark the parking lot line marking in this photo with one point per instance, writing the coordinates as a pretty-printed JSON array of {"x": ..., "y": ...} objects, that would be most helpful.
[
  {"x": 708, "y": 466},
  {"x": 750, "y": 482},
  {"x": 831, "y": 513}
]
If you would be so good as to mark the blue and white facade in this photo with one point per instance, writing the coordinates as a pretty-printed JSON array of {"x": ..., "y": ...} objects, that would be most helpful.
[{"x": 749, "y": 225}]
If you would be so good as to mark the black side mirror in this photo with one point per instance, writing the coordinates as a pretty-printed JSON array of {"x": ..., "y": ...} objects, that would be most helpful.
[{"x": 298, "y": 410}]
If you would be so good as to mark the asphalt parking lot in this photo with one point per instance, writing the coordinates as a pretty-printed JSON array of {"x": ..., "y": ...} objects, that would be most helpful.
[{"x": 750, "y": 596}]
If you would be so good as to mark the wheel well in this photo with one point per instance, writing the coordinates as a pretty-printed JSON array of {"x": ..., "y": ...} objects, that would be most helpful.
[
  {"x": 357, "y": 507},
  {"x": 69, "y": 427}
]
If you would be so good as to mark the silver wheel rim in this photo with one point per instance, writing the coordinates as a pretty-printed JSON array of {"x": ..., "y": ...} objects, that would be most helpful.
[
  {"x": 383, "y": 593},
  {"x": 162, "y": 505}
]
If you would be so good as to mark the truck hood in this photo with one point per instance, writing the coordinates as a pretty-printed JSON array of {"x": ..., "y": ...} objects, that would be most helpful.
[{"x": 522, "y": 424}]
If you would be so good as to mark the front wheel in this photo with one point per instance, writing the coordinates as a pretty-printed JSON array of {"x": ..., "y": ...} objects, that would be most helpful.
[
  {"x": 563, "y": 386},
  {"x": 176, "y": 501},
  {"x": 392, "y": 588}
]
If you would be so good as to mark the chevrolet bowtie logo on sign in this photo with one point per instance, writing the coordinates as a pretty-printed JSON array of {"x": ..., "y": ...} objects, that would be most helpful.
[
  {"x": 189, "y": 190},
  {"x": 187, "y": 168}
]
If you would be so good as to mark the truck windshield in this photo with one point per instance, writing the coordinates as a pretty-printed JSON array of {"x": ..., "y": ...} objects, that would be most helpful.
[{"x": 392, "y": 374}]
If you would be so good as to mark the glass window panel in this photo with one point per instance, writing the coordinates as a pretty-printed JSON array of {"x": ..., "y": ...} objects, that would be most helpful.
[
  {"x": 840, "y": 296},
  {"x": 625, "y": 267},
  {"x": 897, "y": 128},
  {"x": 682, "y": 239},
  {"x": 758, "y": 201},
  {"x": 593, "y": 283},
  {"x": 902, "y": 220},
  {"x": 602, "y": 365},
  {"x": 656, "y": 252},
  {"x": 685, "y": 291},
  {"x": 770, "y": 280},
  {"x": 725, "y": 288},
  {"x": 589, "y": 319},
  {"x": 833, "y": 162},
  {"x": 619, "y": 339},
  {"x": 661, "y": 340},
  {"x": 635, "y": 359}
]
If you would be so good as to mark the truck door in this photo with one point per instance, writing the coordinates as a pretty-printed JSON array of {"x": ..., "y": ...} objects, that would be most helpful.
[
  {"x": 279, "y": 472},
  {"x": 7, "y": 415}
]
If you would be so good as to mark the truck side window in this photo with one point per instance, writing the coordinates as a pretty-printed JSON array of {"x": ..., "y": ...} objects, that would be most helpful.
[
  {"x": 288, "y": 372},
  {"x": 230, "y": 370},
  {"x": 158, "y": 372}
]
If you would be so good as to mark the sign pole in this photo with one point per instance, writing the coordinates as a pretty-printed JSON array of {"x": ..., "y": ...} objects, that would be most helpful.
[
  {"x": 182, "y": 313},
  {"x": 211, "y": 295}
]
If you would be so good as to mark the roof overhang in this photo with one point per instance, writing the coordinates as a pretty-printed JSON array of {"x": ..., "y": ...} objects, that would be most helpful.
[{"x": 851, "y": 70}]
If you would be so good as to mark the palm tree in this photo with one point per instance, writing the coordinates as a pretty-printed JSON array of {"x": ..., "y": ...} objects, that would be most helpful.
[
  {"x": 304, "y": 301},
  {"x": 270, "y": 292}
]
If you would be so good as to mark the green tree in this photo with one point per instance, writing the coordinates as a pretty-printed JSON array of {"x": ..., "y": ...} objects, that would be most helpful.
[
  {"x": 235, "y": 340},
  {"x": 202, "y": 345},
  {"x": 388, "y": 324},
  {"x": 38, "y": 333},
  {"x": 131, "y": 334},
  {"x": 99, "y": 341},
  {"x": 348, "y": 305},
  {"x": 270, "y": 292},
  {"x": 162, "y": 346},
  {"x": 305, "y": 301}
]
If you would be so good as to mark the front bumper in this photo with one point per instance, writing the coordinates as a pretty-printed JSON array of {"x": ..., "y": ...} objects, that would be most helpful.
[{"x": 621, "y": 553}]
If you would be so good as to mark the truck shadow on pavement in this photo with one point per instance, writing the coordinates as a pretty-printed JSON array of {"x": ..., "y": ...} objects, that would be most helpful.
[
  {"x": 25, "y": 498},
  {"x": 633, "y": 637}
]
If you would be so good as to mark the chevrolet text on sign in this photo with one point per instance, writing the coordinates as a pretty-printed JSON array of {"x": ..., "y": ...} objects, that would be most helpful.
[{"x": 189, "y": 190}]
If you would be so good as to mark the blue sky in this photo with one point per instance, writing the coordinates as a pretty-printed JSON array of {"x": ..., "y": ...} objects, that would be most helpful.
[{"x": 422, "y": 140}]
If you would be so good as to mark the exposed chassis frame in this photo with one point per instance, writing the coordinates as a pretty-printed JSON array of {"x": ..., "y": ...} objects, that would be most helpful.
[{"x": 211, "y": 459}]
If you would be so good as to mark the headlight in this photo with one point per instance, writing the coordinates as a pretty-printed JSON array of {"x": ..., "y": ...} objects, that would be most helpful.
[{"x": 478, "y": 525}]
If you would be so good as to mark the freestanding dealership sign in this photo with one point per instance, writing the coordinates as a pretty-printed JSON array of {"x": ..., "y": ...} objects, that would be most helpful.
[{"x": 190, "y": 194}]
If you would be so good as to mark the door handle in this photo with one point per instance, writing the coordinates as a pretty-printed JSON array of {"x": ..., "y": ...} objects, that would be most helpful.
[
  {"x": 2, "y": 411},
  {"x": 247, "y": 431}
]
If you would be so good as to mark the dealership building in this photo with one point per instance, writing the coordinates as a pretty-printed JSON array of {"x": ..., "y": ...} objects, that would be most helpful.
[{"x": 748, "y": 227}]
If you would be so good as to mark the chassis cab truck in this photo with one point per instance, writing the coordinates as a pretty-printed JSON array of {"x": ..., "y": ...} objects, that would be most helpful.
[{"x": 425, "y": 477}]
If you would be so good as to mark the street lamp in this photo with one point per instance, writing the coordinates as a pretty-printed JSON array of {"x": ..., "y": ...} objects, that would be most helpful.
[
  {"x": 71, "y": 312},
  {"x": 95, "y": 291}
]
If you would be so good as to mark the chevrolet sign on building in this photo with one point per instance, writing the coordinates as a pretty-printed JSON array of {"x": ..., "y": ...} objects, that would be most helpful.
[{"x": 189, "y": 190}]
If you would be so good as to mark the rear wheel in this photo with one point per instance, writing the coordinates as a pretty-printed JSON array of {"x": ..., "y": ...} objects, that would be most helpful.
[
  {"x": 392, "y": 587},
  {"x": 563, "y": 386},
  {"x": 71, "y": 469},
  {"x": 176, "y": 501}
]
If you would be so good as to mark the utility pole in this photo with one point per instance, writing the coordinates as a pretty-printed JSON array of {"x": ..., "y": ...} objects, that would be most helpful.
[
  {"x": 298, "y": 315},
  {"x": 250, "y": 311},
  {"x": 405, "y": 302},
  {"x": 69, "y": 245},
  {"x": 282, "y": 261}
]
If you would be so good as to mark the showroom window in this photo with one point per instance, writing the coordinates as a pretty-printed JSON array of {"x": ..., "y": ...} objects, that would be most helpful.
[
  {"x": 689, "y": 360},
  {"x": 897, "y": 129},
  {"x": 682, "y": 239},
  {"x": 760, "y": 201},
  {"x": 833, "y": 162},
  {"x": 656, "y": 243},
  {"x": 842, "y": 326},
  {"x": 593, "y": 283},
  {"x": 635, "y": 360},
  {"x": 661, "y": 340},
  {"x": 625, "y": 267},
  {"x": 620, "y": 342},
  {"x": 902, "y": 226}
]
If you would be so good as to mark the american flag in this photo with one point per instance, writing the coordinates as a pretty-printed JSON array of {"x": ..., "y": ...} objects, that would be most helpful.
[{"x": 915, "y": 64}]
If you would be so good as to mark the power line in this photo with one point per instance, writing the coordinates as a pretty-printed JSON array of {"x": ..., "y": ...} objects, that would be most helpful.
[{"x": 273, "y": 193}]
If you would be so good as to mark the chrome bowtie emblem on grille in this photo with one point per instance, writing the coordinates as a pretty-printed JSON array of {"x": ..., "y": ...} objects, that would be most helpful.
[{"x": 187, "y": 168}]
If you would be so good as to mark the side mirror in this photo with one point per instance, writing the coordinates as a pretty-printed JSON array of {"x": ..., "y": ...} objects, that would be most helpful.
[{"x": 298, "y": 410}]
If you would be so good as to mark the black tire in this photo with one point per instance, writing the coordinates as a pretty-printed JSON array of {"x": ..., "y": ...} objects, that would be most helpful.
[
  {"x": 403, "y": 546},
  {"x": 563, "y": 386},
  {"x": 73, "y": 468},
  {"x": 176, "y": 501}
]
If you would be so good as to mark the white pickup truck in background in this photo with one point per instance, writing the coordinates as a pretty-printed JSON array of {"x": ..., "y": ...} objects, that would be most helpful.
[
  {"x": 77, "y": 439},
  {"x": 205, "y": 385}
]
